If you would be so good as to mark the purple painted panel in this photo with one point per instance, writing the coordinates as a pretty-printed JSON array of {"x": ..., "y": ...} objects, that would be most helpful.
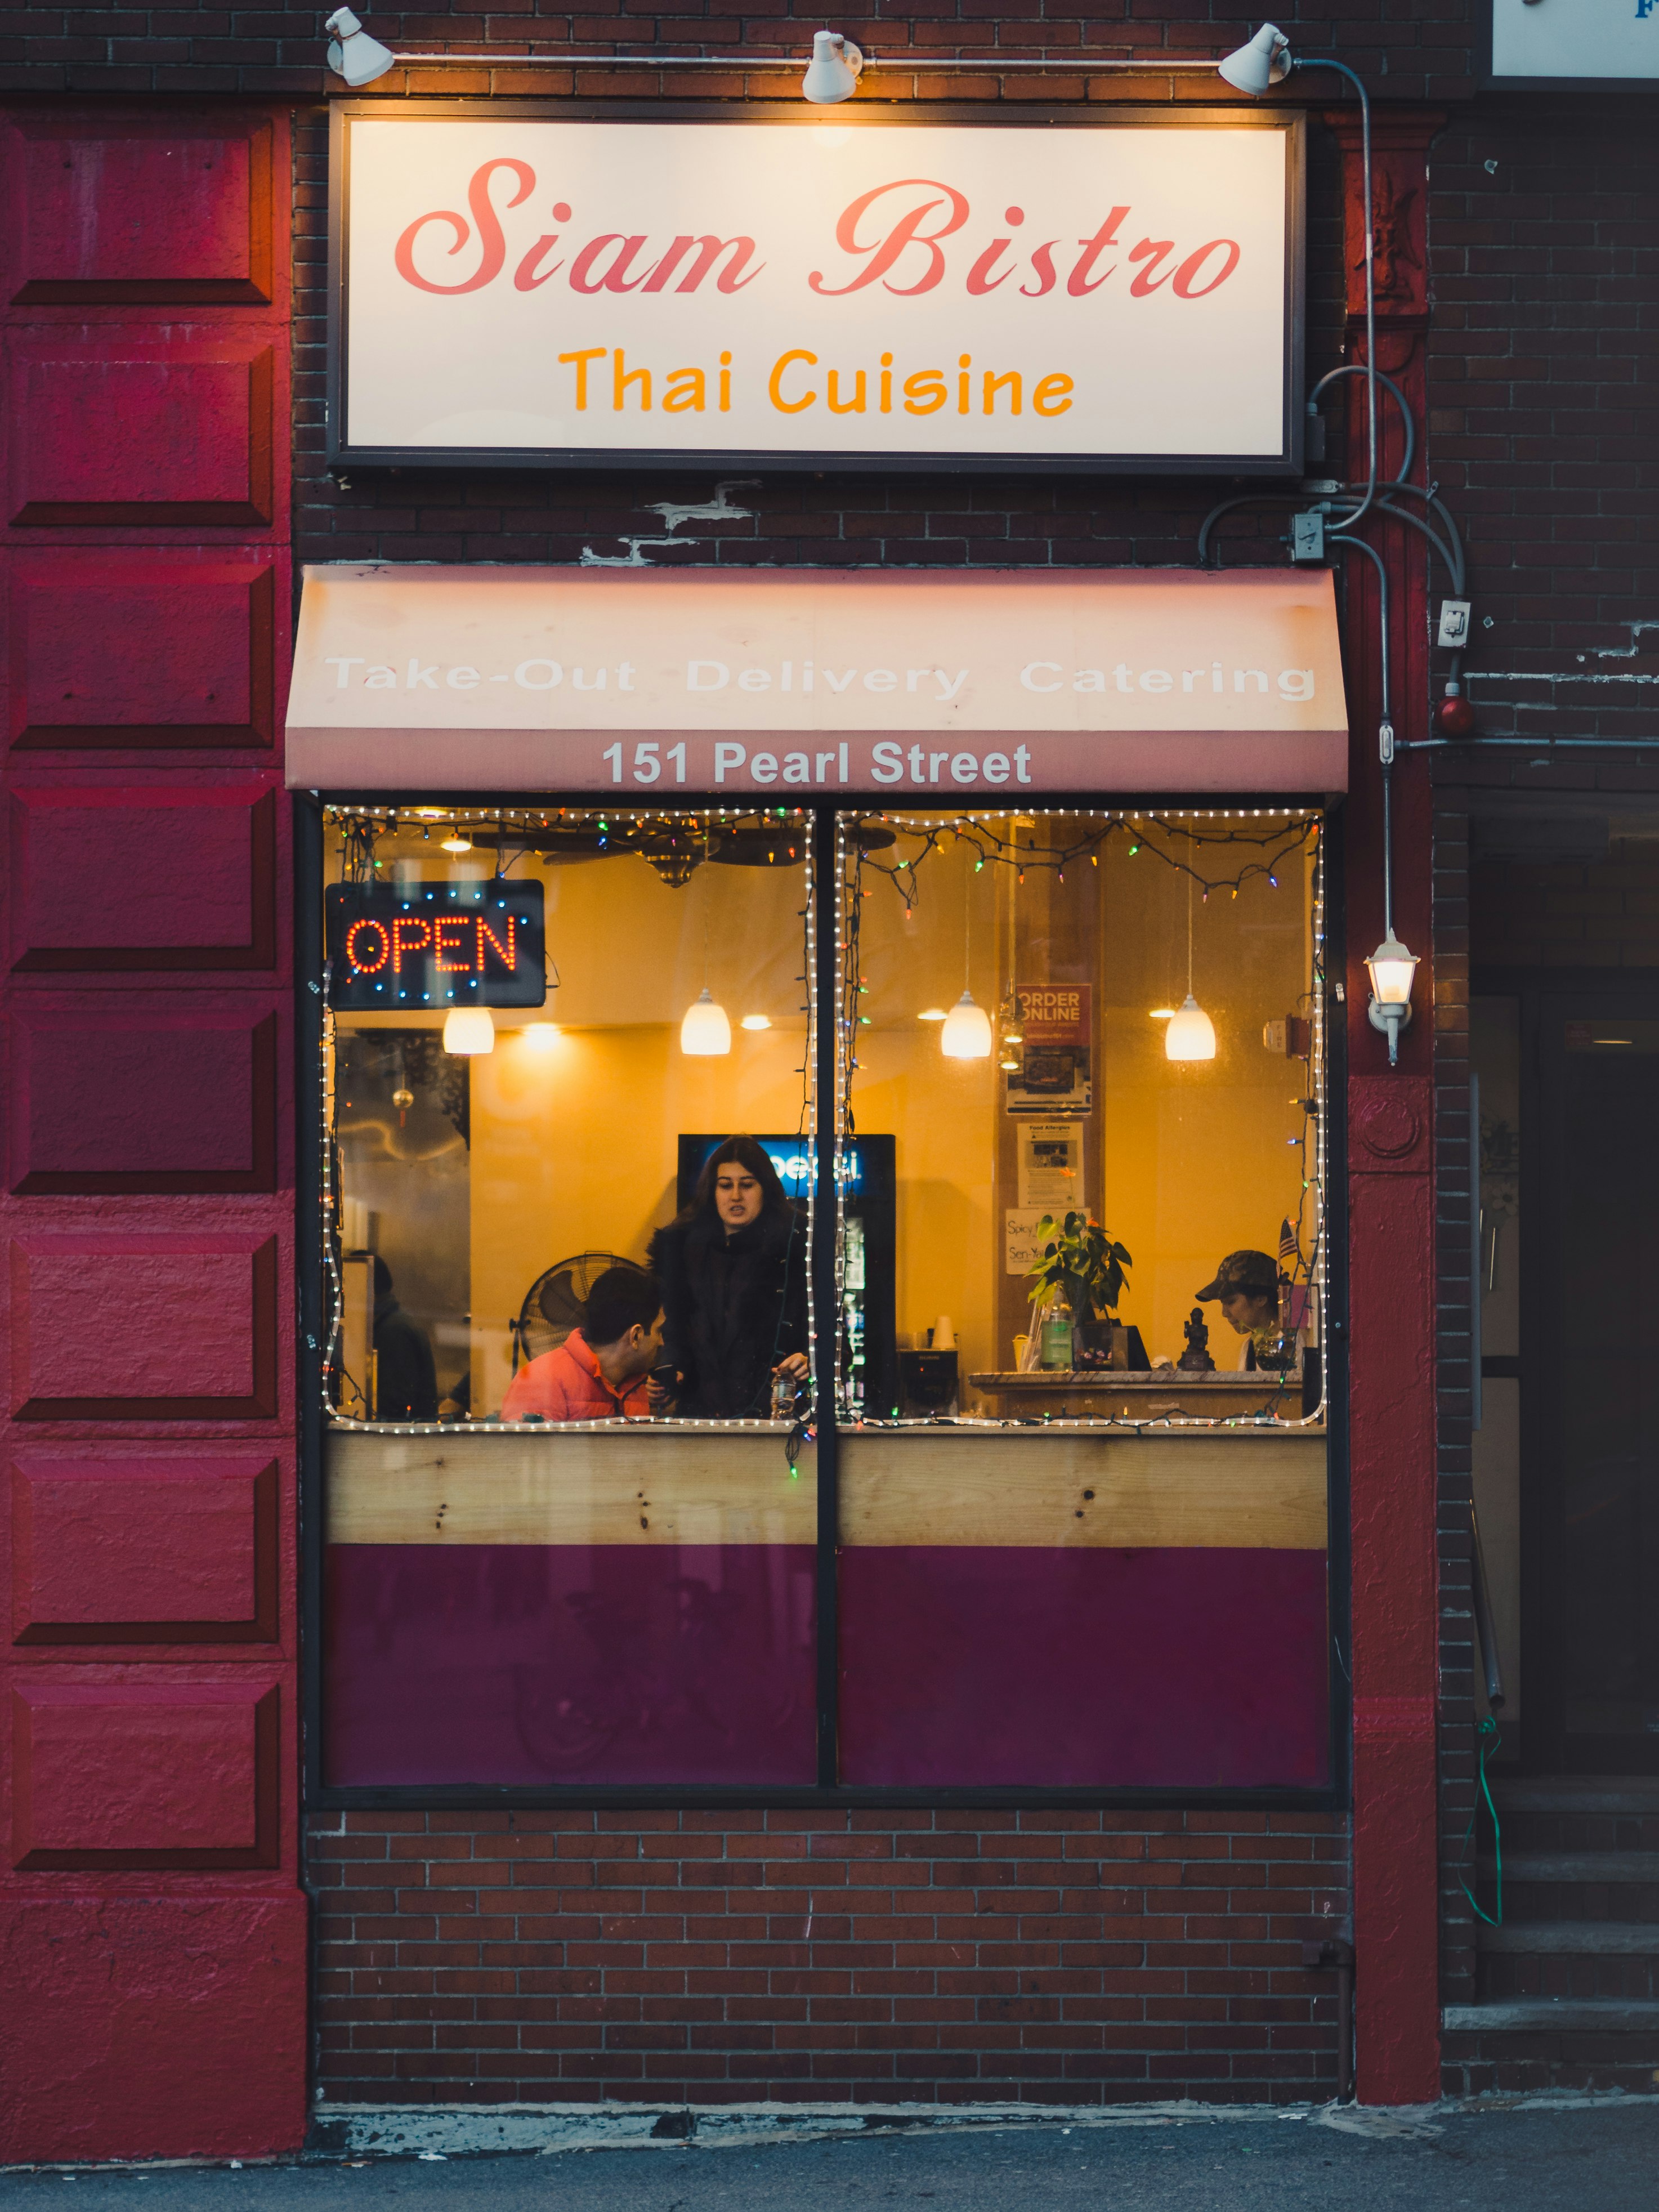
[
  {"x": 1197, "y": 1669},
  {"x": 528, "y": 1663}
]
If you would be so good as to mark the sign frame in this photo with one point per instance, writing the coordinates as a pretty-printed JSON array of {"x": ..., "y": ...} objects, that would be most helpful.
[{"x": 763, "y": 115}]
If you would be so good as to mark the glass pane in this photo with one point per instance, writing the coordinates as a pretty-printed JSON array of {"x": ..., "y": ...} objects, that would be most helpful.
[
  {"x": 1092, "y": 1046},
  {"x": 558, "y": 1287}
]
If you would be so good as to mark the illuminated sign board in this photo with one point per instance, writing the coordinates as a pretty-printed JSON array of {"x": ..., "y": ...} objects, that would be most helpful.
[
  {"x": 844, "y": 289},
  {"x": 397, "y": 946}
]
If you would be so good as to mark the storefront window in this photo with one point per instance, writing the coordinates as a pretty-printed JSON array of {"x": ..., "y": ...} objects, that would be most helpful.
[
  {"x": 1082, "y": 1522},
  {"x": 571, "y": 1503},
  {"x": 1070, "y": 1369}
]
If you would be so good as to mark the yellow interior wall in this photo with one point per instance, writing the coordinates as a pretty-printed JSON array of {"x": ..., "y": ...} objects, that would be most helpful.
[
  {"x": 573, "y": 1150},
  {"x": 1183, "y": 1162}
]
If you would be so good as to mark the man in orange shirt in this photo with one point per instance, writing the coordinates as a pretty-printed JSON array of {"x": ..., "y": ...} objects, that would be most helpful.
[{"x": 601, "y": 1371}]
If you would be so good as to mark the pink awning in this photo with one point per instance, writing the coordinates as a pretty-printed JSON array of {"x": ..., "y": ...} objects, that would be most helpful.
[{"x": 958, "y": 687}]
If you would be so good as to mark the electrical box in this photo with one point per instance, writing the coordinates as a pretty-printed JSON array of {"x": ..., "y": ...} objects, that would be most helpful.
[
  {"x": 1454, "y": 623},
  {"x": 1294, "y": 1036},
  {"x": 1307, "y": 535}
]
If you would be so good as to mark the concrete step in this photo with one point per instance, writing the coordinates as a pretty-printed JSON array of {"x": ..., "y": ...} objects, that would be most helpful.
[
  {"x": 1580, "y": 1794},
  {"x": 1556, "y": 2016},
  {"x": 1582, "y": 1938},
  {"x": 1577, "y": 1866}
]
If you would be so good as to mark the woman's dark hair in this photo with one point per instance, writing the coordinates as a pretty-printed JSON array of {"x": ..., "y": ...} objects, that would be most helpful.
[
  {"x": 746, "y": 1153},
  {"x": 623, "y": 1298}
]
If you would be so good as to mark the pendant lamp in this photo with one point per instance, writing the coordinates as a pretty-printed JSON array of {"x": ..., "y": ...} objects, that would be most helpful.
[
  {"x": 469, "y": 1030},
  {"x": 705, "y": 1033},
  {"x": 1191, "y": 1033},
  {"x": 967, "y": 1031}
]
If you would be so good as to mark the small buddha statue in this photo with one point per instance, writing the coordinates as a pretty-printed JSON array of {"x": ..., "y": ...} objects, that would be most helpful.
[{"x": 1196, "y": 1359}]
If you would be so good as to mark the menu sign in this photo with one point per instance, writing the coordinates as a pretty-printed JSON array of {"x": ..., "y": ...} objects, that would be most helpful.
[{"x": 826, "y": 290}]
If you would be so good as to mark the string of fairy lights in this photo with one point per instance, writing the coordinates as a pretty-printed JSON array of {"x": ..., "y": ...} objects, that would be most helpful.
[{"x": 1198, "y": 843}]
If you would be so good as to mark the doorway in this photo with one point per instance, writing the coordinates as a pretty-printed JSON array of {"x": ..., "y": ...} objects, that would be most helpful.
[{"x": 1567, "y": 1453}]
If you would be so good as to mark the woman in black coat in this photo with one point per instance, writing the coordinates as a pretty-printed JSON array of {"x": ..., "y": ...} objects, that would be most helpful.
[{"x": 733, "y": 1268}]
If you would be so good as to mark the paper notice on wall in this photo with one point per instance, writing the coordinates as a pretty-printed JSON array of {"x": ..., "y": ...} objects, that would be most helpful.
[
  {"x": 1019, "y": 1245},
  {"x": 1055, "y": 1075},
  {"x": 1050, "y": 1166}
]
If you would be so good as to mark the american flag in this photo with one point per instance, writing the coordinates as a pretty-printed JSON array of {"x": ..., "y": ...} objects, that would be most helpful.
[{"x": 1288, "y": 1255}]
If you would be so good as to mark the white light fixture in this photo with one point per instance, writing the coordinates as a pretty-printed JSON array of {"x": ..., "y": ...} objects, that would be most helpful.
[
  {"x": 352, "y": 53},
  {"x": 1265, "y": 61},
  {"x": 833, "y": 73},
  {"x": 967, "y": 1031},
  {"x": 1191, "y": 1033},
  {"x": 705, "y": 1033},
  {"x": 540, "y": 1037},
  {"x": 1391, "y": 971},
  {"x": 469, "y": 1030},
  {"x": 756, "y": 1021},
  {"x": 1161, "y": 1014},
  {"x": 932, "y": 1014},
  {"x": 458, "y": 840}
]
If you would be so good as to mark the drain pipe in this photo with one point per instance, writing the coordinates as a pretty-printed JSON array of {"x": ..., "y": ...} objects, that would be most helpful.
[{"x": 1329, "y": 1952}]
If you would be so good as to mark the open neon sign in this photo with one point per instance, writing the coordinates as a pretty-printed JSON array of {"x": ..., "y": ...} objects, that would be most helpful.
[{"x": 394, "y": 946}]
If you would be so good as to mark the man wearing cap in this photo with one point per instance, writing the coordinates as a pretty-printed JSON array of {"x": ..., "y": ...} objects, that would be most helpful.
[{"x": 1247, "y": 1284}]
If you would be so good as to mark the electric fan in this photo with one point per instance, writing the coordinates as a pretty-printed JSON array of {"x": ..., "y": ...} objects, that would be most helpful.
[{"x": 554, "y": 1303}]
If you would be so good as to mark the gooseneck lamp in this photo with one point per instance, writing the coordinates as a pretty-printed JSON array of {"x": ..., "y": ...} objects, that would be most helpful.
[
  {"x": 352, "y": 53},
  {"x": 833, "y": 73}
]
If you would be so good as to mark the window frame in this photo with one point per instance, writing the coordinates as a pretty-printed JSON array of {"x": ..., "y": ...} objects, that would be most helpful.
[{"x": 827, "y": 1792}]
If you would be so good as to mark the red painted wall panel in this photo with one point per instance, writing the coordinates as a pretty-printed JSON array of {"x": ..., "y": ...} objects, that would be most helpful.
[
  {"x": 122, "y": 1326},
  {"x": 145, "y": 877},
  {"x": 118, "y": 1548},
  {"x": 152, "y": 1948},
  {"x": 142, "y": 1774},
  {"x": 135, "y": 1094},
  {"x": 171, "y": 2025},
  {"x": 122, "y": 209},
  {"x": 140, "y": 425},
  {"x": 156, "y": 649}
]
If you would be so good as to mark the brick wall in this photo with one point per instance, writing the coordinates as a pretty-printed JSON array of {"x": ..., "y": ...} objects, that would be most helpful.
[
  {"x": 1069, "y": 1957},
  {"x": 1541, "y": 426},
  {"x": 206, "y": 46}
]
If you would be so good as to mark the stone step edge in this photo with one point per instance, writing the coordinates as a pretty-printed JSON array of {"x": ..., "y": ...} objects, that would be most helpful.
[
  {"x": 1627, "y": 1866},
  {"x": 1555, "y": 2016},
  {"x": 1582, "y": 1938}
]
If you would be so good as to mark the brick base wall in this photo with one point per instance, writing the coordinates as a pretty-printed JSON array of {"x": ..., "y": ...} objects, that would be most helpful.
[{"x": 720, "y": 1957}]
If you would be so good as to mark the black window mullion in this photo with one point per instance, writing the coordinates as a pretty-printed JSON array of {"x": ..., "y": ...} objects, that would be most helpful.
[{"x": 826, "y": 1350}]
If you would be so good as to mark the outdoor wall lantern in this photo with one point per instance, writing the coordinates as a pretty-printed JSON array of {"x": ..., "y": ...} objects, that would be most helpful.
[
  {"x": 352, "y": 53},
  {"x": 833, "y": 73},
  {"x": 1391, "y": 969}
]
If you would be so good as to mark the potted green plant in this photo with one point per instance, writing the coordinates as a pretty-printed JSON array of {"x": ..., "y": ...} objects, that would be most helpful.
[{"x": 1080, "y": 1267}]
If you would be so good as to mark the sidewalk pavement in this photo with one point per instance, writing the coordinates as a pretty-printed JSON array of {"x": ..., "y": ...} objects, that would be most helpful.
[{"x": 1600, "y": 2157}]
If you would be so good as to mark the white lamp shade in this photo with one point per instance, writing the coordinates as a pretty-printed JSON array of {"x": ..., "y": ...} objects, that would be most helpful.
[
  {"x": 1191, "y": 1033},
  {"x": 1264, "y": 62},
  {"x": 352, "y": 53},
  {"x": 469, "y": 1029},
  {"x": 705, "y": 1033},
  {"x": 1392, "y": 968},
  {"x": 833, "y": 72},
  {"x": 967, "y": 1031}
]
